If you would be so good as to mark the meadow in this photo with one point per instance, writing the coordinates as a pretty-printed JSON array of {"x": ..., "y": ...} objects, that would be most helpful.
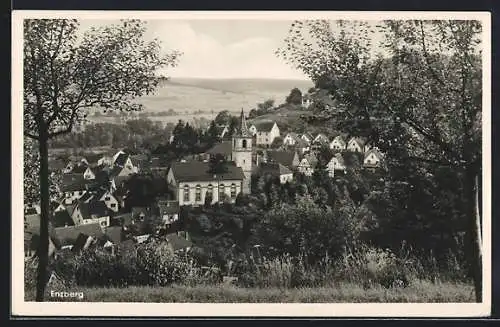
[
  {"x": 419, "y": 292},
  {"x": 187, "y": 95}
]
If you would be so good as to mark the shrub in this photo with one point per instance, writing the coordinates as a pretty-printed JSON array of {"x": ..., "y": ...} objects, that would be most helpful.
[{"x": 370, "y": 266}]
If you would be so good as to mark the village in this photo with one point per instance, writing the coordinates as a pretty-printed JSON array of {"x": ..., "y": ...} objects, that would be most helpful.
[{"x": 90, "y": 207}]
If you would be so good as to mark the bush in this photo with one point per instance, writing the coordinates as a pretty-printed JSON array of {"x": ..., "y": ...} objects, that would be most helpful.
[{"x": 371, "y": 266}]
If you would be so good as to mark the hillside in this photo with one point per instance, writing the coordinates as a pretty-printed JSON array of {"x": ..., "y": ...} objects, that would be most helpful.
[{"x": 191, "y": 94}]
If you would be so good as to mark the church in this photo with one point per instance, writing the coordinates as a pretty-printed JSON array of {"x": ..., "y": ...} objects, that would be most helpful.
[{"x": 193, "y": 181}]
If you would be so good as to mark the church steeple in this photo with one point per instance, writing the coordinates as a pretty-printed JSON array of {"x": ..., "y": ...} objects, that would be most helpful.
[{"x": 243, "y": 130}]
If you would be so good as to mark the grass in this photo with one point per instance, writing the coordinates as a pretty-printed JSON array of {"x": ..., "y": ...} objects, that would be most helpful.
[{"x": 420, "y": 291}]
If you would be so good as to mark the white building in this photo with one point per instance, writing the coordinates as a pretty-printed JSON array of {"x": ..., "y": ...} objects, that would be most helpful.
[
  {"x": 338, "y": 143},
  {"x": 336, "y": 164},
  {"x": 266, "y": 133}
]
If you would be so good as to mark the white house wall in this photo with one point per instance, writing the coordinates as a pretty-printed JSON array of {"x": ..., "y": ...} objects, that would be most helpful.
[{"x": 204, "y": 188}]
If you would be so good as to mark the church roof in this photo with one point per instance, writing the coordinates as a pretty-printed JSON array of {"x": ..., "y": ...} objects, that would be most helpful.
[{"x": 242, "y": 130}]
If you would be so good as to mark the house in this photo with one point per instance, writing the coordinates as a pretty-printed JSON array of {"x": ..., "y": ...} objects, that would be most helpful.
[
  {"x": 124, "y": 161},
  {"x": 302, "y": 146},
  {"x": 56, "y": 165},
  {"x": 178, "y": 243},
  {"x": 307, "y": 137},
  {"x": 321, "y": 139},
  {"x": 289, "y": 159},
  {"x": 84, "y": 170},
  {"x": 307, "y": 164},
  {"x": 276, "y": 170},
  {"x": 267, "y": 131},
  {"x": 222, "y": 130},
  {"x": 336, "y": 163},
  {"x": 224, "y": 148},
  {"x": 338, "y": 143},
  {"x": 253, "y": 130},
  {"x": 79, "y": 237},
  {"x": 91, "y": 212},
  {"x": 291, "y": 139},
  {"x": 306, "y": 100},
  {"x": 109, "y": 199},
  {"x": 169, "y": 211},
  {"x": 32, "y": 236},
  {"x": 356, "y": 144},
  {"x": 116, "y": 155},
  {"x": 373, "y": 159},
  {"x": 193, "y": 181},
  {"x": 139, "y": 161},
  {"x": 105, "y": 160},
  {"x": 73, "y": 187},
  {"x": 61, "y": 218},
  {"x": 159, "y": 165},
  {"x": 140, "y": 213}
]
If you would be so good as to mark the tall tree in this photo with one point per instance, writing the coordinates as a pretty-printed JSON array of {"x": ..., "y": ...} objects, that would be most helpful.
[
  {"x": 65, "y": 75},
  {"x": 423, "y": 104},
  {"x": 295, "y": 97}
]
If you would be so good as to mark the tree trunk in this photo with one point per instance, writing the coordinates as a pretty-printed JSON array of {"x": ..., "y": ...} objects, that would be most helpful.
[
  {"x": 471, "y": 191},
  {"x": 43, "y": 248}
]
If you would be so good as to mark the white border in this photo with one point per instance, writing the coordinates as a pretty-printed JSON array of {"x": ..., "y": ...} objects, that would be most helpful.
[{"x": 19, "y": 307}]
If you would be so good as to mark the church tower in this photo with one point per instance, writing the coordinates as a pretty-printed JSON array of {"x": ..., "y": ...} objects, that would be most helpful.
[{"x": 242, "y": 151}]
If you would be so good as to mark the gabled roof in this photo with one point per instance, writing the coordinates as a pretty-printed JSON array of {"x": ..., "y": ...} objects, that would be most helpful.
[
  {"x": 86, "y": 197},
  {"x": 311, "y": 159},
  {"x": 121, "y": 159},
  {"x": 339, "y": 138},
  {"x": 264, "y": 126},
  {"x": 57, "y": 164},
  {"x": 283, "y": 157},
  {"x": 193, "y": 171},
  {"x": 339, "y": 158},
  {"x": 177, "y": 242},
  {"x": 293, "y": 135},
  {"x": 93, "y": 208},
  {"x": 73, "y": 182},
  {"x": 225, "y": 148},
  {"x": 375, "y": 151},
  {"x": 79, "y": 169},
  {"x": 125, "y": 219},
  {"x": 92, "y": 158},
  {"x": 321, "y": 138},
  {"x": 138, "y": 159},
  {"x": 301, "y": 143},
  {"x": 62, "y": 218},
  {"x": 242, "y": 129},
  {"x": 274, "y": 169},
  {"x": 136, "y": 211},
  {"x": 360, "y": 140},
  {"x": 114, "y": 234},
  {"x": 69, "y": 235},
  {"x": 308, "y": 135}
]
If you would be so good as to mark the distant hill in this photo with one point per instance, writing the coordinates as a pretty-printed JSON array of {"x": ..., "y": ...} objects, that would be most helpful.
[{"x": 192, "y": 94}]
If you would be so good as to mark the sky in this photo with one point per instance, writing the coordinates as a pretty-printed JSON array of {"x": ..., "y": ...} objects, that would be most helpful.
[{"x": 222, "y": 48}]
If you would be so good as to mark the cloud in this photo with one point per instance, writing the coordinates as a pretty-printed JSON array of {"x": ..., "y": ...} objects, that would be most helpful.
[{"x": 204, "y": 56}]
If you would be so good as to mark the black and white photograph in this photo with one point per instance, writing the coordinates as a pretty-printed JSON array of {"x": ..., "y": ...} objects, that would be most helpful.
[{"x": 251, "y": 163}]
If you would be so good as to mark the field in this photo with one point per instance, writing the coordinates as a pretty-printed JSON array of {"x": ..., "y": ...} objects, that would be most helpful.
[
  {"x": 187, "y": 95},
  {"x": 422, "y": 292}
]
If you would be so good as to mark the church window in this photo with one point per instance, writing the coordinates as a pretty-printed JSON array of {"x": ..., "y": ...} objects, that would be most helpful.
[
  {"x": 198, "y": 193},
  {"x": 221, "y": 192},
  {"x": 233, "y": 190},
  {"x": 186, "y": 193},
  {"x": 244, "y": 144}
]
